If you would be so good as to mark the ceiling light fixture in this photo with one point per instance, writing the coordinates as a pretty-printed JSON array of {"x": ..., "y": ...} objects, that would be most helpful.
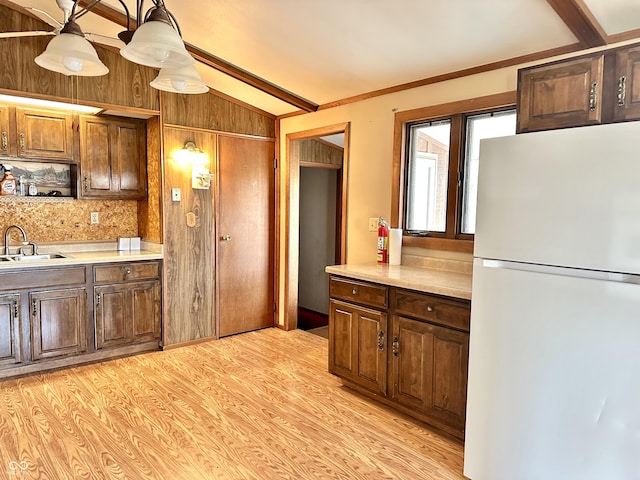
[
  {"x": 156, "y": 42},
  {"x": 180, "y": 80}
]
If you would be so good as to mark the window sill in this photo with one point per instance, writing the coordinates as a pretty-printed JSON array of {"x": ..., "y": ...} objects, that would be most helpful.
[{"x": 434, "y": 243}]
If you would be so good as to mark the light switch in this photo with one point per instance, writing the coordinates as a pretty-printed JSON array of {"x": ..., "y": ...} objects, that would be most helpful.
[{"x": 176, "y": 195}]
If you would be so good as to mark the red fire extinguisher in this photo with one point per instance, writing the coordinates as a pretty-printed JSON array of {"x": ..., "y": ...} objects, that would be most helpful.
[{"x": 383, "y": 241}]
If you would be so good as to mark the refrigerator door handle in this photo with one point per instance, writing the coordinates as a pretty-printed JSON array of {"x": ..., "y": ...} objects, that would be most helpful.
[{"x": 564, "y": 271}]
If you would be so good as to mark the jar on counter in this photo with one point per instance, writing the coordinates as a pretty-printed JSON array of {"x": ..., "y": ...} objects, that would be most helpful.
[{"x": 8, "y": 182}]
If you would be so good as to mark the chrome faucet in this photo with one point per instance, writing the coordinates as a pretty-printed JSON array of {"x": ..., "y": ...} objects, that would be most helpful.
[{"x": 24, "y": 240}]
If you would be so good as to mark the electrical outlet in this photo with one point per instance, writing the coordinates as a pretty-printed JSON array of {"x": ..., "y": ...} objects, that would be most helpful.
[
  {"x": 373, "y": 224},
  {"x": 175, "y": 194},
  {"x": 95, "y": 219}
]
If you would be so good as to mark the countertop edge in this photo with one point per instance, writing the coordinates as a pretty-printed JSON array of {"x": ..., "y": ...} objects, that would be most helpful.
[
  {"x": 420, "y": 279},
  {"x": 82, "y": 258}
]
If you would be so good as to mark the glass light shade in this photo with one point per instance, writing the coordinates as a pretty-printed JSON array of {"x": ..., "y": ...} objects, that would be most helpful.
[
  {"x": 180, "y": 80},
  {"x": 157, "y": 44},
  {"x": 71, "y": 54}
]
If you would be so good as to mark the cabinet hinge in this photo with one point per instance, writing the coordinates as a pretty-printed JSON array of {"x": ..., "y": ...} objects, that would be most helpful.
[
  {"x": 275, "y": 307},
  {"x": 275, "y": 163}
]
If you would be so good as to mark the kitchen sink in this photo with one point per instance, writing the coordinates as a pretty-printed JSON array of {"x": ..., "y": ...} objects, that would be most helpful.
[
  {"x": 45, "y": 256},
  {"x": 30, "y": 258}
]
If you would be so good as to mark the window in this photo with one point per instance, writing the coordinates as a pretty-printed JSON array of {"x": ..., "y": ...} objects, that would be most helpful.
[{"x": 437, "y": 150}]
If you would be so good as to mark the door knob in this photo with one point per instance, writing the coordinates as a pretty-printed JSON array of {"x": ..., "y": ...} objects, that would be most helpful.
[{"x": 225, "y": 238}]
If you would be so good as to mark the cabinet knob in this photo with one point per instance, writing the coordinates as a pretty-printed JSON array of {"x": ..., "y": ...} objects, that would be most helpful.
[
  {"x": 98, "y": 299},
  {"x": 429, "y": 308},
  {"x": 127, "y": 270},
  {"x": 5, "y": 142},
  {"x": 22, "y": 142},
  {"x": 593, "y": 96},
  {"x": 622, "y": 90},
  {"x": 395, "y": 347},
  {"x": 16, "y": 313},
  {"x": 381, "y": 340},
  {"x": 85, "y": 183},
  {"x": 354, "y": 291},
  {"x": 225, "y": 238},
  {"x": 34, "y": 307}
]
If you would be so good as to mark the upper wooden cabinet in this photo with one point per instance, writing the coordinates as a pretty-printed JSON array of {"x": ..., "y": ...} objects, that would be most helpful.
[
  {"x": 627, "y": 100},
  {"x": 112, "y": 158},
  {"x": 591, "y": 89},
  {"x": 30, "y": 133},
  {"x": 563, "y": 94}
]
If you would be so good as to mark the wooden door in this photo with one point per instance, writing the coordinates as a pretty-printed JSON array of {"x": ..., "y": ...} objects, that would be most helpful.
[
  {"x": 357, "y": 345},
  {"x": 627, "y": 100},
  {"x": 563, "y": 94},
  {"x": 245, "y": 233},
  {"x": 110, "y": 306},
  {"x": 10, "y": 345},
  {"x": 58, "y": 322},
  {"x": 44, "y": 134}
]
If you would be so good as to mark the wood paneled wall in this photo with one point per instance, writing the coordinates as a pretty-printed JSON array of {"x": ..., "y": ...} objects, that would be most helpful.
[
  {"x": 126, "y": 84},
  {"x": 189, "y": 251},
  {"x": 213, "y": 112},
  {"x": 316, "y": 151}
]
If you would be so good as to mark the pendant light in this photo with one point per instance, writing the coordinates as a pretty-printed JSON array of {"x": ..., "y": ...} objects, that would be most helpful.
[
  {"x": 70, "y": 53},
  {"x": 156, "y": 43},
  {"x": 180, "y": 80}
]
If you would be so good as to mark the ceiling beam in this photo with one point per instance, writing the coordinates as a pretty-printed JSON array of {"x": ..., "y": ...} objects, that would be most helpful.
[
  {"x": 210, "y": 60},
  {"x": 577, "y": 16}
]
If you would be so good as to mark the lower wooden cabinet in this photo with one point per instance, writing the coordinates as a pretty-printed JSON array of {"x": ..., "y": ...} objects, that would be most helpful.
[
  {"x": 58, "y": 322},
  {"x": 412, "y": 355},
  {"x": 429, "y": 370},
  {"x": 357, "y": 347},
  {"x": 60, "y": 316},
  {"x": 10, "y": 344},
  {"x": 127, "y": 313}
]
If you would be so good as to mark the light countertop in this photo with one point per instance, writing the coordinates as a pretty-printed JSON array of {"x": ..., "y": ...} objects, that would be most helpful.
[
  {"x": 450, "y": 284},
  {"x": 82, "y": 254}
]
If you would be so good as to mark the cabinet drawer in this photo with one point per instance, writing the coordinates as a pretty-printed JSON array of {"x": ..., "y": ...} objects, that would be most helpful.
[
  {"x": 125, "y": 272},
  {"x": 39, "y": 278},
  {"x": 449, "y": 313},
  {"x": 362, "y": 293}
]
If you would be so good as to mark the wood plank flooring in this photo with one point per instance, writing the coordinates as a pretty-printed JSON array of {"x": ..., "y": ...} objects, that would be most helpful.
[{"x": 254, "y": 406}]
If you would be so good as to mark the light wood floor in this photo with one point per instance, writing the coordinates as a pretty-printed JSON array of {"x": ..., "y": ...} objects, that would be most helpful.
[{"x": 254, "y": 406}]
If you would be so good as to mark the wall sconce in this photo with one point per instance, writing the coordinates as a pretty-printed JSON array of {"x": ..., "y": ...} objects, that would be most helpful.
[{"x": 200, "y": 176}]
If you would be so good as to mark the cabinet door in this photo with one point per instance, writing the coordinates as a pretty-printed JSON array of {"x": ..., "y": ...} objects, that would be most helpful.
[
  {"x": 44, "y": 134},
  {"x": 10, "y": 344},
  {"x": 58, "y": 322},
  {"x": 7, "y": 144},
  {"x": 627, "y": 104},
  {"x": 562, "y": 94},
  {"x": 429, "y": 369},
  {"x": 95, "y": 151},
  {"x": 112, "y": 158},
  {"x": 128, "y": 159},
  {"x": 357, "y": 345},
  {"x": 127, "y": 313}
]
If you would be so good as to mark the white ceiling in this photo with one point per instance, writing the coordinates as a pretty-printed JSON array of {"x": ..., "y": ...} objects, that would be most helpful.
[{"x": 329, "y": 50}]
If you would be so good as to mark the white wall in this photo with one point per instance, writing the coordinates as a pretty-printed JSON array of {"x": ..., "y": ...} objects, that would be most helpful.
[
  {"x": 317, "y": 236},
  {"x": 371, "y": 149}
]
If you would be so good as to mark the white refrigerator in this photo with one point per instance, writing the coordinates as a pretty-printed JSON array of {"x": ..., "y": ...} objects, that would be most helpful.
[{"x": 554, "y": 360}]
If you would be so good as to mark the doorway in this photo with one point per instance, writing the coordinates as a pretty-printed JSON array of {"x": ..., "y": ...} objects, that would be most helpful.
[
  {"x": 317, "y": 159},
  {"x": 319, "y": 228}
]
